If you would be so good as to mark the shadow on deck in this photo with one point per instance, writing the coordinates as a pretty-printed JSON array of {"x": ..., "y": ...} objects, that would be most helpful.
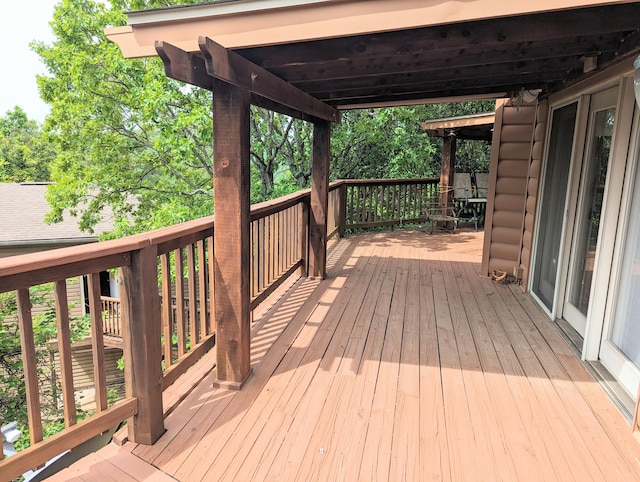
[{"x": 403, "y": 365}]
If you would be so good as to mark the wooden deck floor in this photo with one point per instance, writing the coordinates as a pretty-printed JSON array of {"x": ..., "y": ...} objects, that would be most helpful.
[{"x": 403, "y": 365}]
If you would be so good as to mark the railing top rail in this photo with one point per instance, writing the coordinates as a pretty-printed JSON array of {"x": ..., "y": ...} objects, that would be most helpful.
[
  {"x": 114, "y": 252},
  {"x": 110, "y": 298},
  {"x": 266, "y": 208},
  {"x": 422, "y": 180},
  {"x": 106, "y": 249}
]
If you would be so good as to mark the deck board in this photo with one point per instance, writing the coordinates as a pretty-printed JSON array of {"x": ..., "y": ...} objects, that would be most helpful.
[{"x": 403, "y": 364}]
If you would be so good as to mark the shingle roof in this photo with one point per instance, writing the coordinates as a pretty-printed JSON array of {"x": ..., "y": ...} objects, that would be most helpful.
[{"x": 22, "y": 210}]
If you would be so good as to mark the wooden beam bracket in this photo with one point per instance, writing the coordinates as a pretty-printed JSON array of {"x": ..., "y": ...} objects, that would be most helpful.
[
  {"x": 267, "y": 90},
  {"x": 230, "y": 67}
]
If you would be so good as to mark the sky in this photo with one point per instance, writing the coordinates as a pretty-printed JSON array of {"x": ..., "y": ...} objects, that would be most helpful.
[{"x": 22, "y": 21}]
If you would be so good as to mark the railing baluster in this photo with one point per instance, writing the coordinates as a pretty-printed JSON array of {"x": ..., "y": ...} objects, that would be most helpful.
[
  {"x": 64, "y": 352},
  {"x": 255, "y": 257},
  {"x": 202, "y": 289},
  {"x": 281, "y": 244},
  {"x": 266, "y": 241},
  {"x": 97, "y": 341},
  {"x": 191, "y": 284},
  {"x": 293, "y": 238},
  {"x": 273, "y": 242},
  {"x": 167, "y": 310},
  {"x": 288, "y": 230},
  {"x": 388, "y": 215},
  {"x": 211, "y": 271},
  {"x": 360, "y": 206},
  {"x": 180, "y": 318},
  {"x": 29, "y": 362},
  {"x": 303, "y": 239}
]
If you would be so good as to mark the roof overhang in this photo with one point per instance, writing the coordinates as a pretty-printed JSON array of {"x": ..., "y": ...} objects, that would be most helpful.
[
  {"x": 50, "y": 243},
  {"x": 357, "y": 53},
  {"x": 472, "y": 127},
  {"x": 238, "y": 24}
]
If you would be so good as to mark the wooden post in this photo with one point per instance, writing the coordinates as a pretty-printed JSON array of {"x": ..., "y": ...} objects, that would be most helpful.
[
  {"x": 319, "y": 199},
  {"x": 142, "y": 345},
  {"x": 448, "y": 169},
  {"x": 342, "y": 209},
  {"x": 232, "y": 234}
]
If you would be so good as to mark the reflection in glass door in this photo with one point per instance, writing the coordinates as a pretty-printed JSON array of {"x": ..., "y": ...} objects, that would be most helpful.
[
  {"x": 553, "y": 201},
  {"x": 587, "y": 224},
  {"x": 620, "y": 349}
]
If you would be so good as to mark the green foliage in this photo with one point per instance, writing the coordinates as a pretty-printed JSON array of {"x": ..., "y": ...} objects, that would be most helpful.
[
  {"x": 127, "y": 137},
  {"x": 388, "y": 143},
  {"x": 136, "y": 144},
  {"x": 25, "y": 154},
  {"x": 13, "y": 405}
]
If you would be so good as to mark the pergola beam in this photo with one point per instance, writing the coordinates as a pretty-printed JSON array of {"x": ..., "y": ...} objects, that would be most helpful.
[
  {"x": 184, "y": 66},
  {"x": 234, "y": 69},
  {"x": 191, "y": 68}
]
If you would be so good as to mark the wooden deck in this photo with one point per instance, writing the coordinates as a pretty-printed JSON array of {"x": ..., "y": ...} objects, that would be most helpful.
[{"x": 403, "y": 365}]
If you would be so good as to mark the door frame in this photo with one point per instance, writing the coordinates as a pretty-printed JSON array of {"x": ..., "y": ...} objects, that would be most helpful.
[
  {"x": 608, "y": 233},
  {"x": 614, "y": 360},
  {"x": 621, "y": 77},
  {"x": 568, "y": 311},
  {"x": 576, "y": 146}
]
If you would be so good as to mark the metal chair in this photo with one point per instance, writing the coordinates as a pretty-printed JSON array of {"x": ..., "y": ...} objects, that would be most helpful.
[
  {"x": 438, "y": 211},
  {"x": 463, "y": 197}
]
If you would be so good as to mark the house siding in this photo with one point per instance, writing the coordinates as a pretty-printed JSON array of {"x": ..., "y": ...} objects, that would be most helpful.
[
  {"x": 509, "y": 185},
  {"x": 83, "y": 379},
  {"x": 533, "y": 184}
]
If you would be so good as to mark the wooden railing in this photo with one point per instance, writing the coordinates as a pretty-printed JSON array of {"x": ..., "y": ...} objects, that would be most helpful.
[
  {"x": 147, "y": 262},
  {"x": 279, "y": 234},
  {"x": 162, "y": 339},
  {"x": 111, "y": 316},
  {"x": 361, "y": 204}
]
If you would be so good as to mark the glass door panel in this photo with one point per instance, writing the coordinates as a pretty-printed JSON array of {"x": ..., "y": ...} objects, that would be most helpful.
[
  {"x": 592, "y": 206},
  {"x": 620, "y": 350},
  {"x": 553, "y": 202},
  {"x": 602, "y": 115}
]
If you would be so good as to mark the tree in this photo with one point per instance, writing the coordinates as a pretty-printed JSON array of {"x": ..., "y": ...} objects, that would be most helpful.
[
  {"x": 25, "y": 154},
  {"x": 269, "y": 134},
  {"x": 280, "y": 154},
  {"x": 128, "y": 138},
  {"x": 389, "y": 143}
]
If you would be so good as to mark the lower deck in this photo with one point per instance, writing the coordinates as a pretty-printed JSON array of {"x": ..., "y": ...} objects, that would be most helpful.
[{"x": 404, "y": 364}]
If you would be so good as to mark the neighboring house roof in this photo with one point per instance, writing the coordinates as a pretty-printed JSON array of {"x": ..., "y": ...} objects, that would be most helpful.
[{"x": 24, "y": 207}]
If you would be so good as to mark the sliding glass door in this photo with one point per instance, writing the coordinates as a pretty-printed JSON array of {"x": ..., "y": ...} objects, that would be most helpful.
[
  {"x": 620, "y": 349},
  {"x": 552, "y": 209},
  {"x": 602, "y": 114}
]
